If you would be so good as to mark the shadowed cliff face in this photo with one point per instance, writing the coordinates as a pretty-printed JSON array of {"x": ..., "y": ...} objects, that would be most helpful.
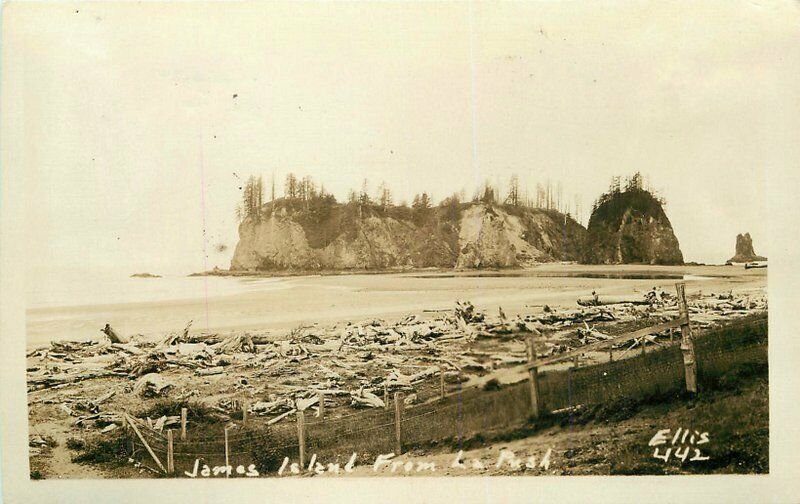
[
  {"x": 744, "y": 250},
  {"x": 631, "y": 227},
  {"x": 286, "y": 236}
]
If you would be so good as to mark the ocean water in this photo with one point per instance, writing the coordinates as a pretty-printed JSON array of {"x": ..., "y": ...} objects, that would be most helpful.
[
  {"x": 76, "y": 305},
  {"x": 77, "y": 289}
]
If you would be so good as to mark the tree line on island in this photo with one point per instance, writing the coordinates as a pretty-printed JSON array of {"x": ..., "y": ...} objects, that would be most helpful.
[
  {"x": 633, "y": 184},
  {"x": 627, "y": 225},
  {"x": 304, "y": 193}
]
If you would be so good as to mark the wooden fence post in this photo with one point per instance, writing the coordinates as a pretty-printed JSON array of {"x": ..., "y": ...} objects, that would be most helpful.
[
  {"x": 245, "y": 407},
  {"x": 398, "y": 418},
  {"x": 227, "y": 453},
  {"x": 183, "y": 424},
  {"x": 687, "y": 342},
  {"x": 644, "y": 345},
  {"x": 386, "y": 396},
  {"x": 441, "y": 382},
  {"x": 301, "y": 436},
  {"x": 533, "y": 379},
  {"x": 321, "y": 396},
  {"x": 610, "y": 354},
  {"x": 170, "y": 453},
  {"x": 126, "y": 425},
  {"x": 575, "y": 362},
  {"x": 147, "y": 446}
]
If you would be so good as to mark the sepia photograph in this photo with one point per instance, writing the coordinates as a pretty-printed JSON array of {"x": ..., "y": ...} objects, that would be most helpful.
[{"x": 343, "y": 240}]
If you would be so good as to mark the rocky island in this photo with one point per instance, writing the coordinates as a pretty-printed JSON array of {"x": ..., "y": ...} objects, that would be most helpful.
[
  {"x": 630, "y": 226},
  {"x": 286, "y": 235},
  {"x": 744, "y": 250},
  {"x": 309, "y": 231}
]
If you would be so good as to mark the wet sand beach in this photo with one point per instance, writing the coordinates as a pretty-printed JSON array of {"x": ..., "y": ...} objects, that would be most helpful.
[{"x": 280, "y": 304}]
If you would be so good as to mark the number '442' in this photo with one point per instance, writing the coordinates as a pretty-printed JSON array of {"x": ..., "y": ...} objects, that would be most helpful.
[{"x": 681, "y": 453}]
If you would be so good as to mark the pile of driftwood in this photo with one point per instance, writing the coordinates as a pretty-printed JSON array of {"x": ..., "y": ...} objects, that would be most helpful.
[{"x": 351, "y": 365}]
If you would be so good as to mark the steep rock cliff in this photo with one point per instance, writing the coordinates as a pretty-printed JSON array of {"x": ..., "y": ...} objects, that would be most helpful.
[
  {"x": 286, "y": 236},
  {"x": 631, "y": 227}
]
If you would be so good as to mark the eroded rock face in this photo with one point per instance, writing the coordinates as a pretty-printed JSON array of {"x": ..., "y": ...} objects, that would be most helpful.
[
  {"x": 631, "y": 227},
  {"x": 272, "y": 243},
  {"x": 474, "y": 236},
  {"x": 744, "y": 250}
]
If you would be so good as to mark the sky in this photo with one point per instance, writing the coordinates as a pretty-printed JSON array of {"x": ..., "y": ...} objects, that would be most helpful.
[{"x": 133, "y": 125}]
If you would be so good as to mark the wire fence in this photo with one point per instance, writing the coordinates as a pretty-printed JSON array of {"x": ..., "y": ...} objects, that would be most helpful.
[{"x": 462, "y": 415}]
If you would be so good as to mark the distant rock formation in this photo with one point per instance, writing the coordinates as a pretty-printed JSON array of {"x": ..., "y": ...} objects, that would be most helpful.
[
  {"x": 630, "y": 227},
  {"x": 744, "y": 250},
  {"x": 286, "y": 236},
  {"x": 145, "y": 275}
]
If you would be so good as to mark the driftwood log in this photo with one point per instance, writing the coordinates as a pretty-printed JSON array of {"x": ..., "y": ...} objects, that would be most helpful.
[{"x": 112, "y": 335}]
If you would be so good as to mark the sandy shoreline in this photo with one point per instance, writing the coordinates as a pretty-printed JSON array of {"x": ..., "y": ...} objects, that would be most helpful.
[
  {"x": 329, "y": 299},
  {"x": 280, "y": 370}
]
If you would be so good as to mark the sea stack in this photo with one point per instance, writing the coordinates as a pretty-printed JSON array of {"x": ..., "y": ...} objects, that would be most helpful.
[
  {"x": 630, "y": 227},
  {"x": 744, "y": 250}
]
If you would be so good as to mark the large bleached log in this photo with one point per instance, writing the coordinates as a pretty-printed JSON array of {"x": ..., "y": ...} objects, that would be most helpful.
[
  {"x": 424, "y": 374},
  {"x": 211, "y": 371},
  {"x": 304, "y": 404},
  {"x": 365, "y": 399},
  {"x": 150, "y": 385},
  {"x": 52, "y": 381},
  {"x": 590, "y": 334},
  {"x": 267, "y": 407},
  {"x": 112, "y": 335},
  {"x": 281, "y": 417},
  {"x": 131, "y": 349},
  {"x": 610, "y": 300},
  {"x": 36, "y": 351}
]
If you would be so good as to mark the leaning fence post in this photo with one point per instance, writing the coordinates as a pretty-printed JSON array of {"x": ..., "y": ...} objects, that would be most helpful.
[
  {"x": 147, "y": 446},
  {"x": 170, "y": 453},
  {"x": 533, "y": 378},
  {"x": 398, "y": 418},
  {"x": 301, "y": 437},
  {"x": 687, "y": 342},
  {"x": 183, "y": 424}
]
